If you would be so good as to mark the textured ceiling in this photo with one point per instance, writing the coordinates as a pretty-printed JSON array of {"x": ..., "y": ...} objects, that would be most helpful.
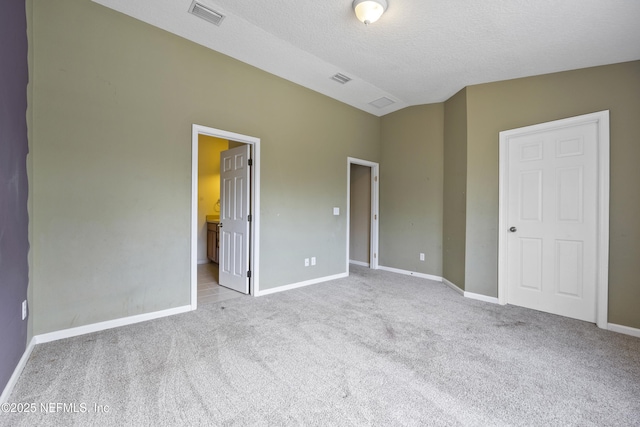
[{"x": 419, "y": 52}]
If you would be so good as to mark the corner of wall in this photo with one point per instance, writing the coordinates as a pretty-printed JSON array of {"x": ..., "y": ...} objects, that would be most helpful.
[
  {"x": 412, "y": 144},
  {"x": 455, "y": 189},
  {"x": 30, "y": 92}
]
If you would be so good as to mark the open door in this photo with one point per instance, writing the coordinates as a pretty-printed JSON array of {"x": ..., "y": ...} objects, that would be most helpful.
[
  {"x": 234, "y": 218},
  {"x": 369, "y": 234}
]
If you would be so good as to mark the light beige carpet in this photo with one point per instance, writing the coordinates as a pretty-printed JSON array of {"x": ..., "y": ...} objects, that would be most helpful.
[{"x": 373, "y": 349}]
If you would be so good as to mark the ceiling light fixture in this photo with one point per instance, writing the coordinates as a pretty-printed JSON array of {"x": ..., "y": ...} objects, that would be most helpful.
[{"x": 369, "y": 11}]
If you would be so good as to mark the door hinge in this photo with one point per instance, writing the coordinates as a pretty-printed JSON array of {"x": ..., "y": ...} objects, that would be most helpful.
[
  {"x": 249, "y": 218},
  {"x": 375, "y": 179},
  {"x": 249, "y": 273},
  {"x": 375, "y": 216},
  {"x": 250, "y": 163}
]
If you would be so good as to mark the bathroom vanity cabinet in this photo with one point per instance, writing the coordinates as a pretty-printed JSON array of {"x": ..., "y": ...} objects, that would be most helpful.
[{"x": 213, "y": 241}]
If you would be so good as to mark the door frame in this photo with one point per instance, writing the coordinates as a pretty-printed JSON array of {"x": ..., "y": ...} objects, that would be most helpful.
[
  {"x": 254, "y": 254},
  {"x": 601, "y": 119},
  {"x": 375, "y": 215}
]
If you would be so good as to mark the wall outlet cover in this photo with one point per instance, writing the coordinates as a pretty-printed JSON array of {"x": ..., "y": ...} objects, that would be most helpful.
[
  {"x": 306, "y": 262},
  {"x": 313, "y": 260}
]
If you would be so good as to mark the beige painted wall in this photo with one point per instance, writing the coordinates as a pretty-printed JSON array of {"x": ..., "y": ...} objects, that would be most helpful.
[
  {"x": 411, "y": 179},
  {"x": 455, "y": 189},
  {"x": 209, "y": 149},
  {"x": 113, "y": 104},
  {"x": 472, "y": 120},
  {"x": 112, "y": 101},
  {"x": 515, "y": 103},
  {"x": 360, "y": 214}
]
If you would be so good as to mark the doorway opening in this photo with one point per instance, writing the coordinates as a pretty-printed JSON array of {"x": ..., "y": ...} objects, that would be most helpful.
[
  {"x": 206, "y": 217},
  {"x": 554, "y": 217},
  {"x": 362, "y": 213}
]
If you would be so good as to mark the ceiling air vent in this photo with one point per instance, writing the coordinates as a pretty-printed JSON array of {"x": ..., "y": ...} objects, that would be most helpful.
[
  {"x": 341, "y": 78},
  {"x": 382, "y": 102},
  {"x": 202, "y": 11}
]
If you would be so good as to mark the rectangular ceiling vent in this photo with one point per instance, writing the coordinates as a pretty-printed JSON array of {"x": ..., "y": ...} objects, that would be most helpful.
[
  {"x": 202, "y": 11},
  {"x": 341, "y": 78},
  {"x": 382, "y": 102}
]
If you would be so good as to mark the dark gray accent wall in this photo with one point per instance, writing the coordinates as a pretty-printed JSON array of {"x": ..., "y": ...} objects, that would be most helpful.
[{"x": 14, "y": 220}]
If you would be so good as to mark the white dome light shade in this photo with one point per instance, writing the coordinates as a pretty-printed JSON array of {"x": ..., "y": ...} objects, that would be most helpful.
[{"x": 369, "y": 11}]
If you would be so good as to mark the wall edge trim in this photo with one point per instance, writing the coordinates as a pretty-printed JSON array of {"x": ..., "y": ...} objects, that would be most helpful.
[
  {"x": 480, "y": 297},
  {"x": 361, "y": 263},
  {"x": 109, "y": 324},
  {"x": 626, "y": 330},
  {"x": 453, "y": 286},
  {"x": 8, "y": 389},
  {"x": 411, "y": 273},
  {"x": 301, "y": 284}
]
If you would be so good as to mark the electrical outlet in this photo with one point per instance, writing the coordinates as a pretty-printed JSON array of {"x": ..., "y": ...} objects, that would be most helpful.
[
  {"x": 306, "y": 262},
  {"x": 421, "y": 257},
  {"x": 24, "y": 309},
  {"x": 313, "y": 260}
]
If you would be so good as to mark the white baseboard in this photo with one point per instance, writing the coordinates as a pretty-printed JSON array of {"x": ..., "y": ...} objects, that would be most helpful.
[
  {"x": 453, "y": 286},
  {"x": 301, "y": 284},
  {"x": 411, "y": 273},
  {"x": 81, "y": 330},
  {"x": 450, "y": 284},
  {"x": 469, "y": 295},
  {"x": 481, "y": 297},
  {"x": 364, "y": 264},
  {"x": 203, "y": 261},
  {"x": 4, "y": 397},
  {"x": 108, "y": 324},
  {"x": 627, "y": 330}
]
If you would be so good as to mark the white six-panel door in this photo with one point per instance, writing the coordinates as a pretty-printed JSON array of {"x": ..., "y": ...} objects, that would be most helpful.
[
  {"x": 234, "y": 218},
  {"x": 552, "y": 220}
]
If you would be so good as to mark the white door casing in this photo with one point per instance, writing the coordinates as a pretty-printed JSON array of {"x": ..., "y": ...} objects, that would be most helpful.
[
  {"x": 254, "y": 261},
  {"x": 234, "y": 218},
  {"x": 554, "y": 217}
]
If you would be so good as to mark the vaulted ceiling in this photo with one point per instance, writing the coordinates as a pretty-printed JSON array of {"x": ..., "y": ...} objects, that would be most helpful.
[{"x": 419, "y": 52}]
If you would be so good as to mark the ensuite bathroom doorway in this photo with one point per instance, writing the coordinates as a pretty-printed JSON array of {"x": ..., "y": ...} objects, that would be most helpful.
[{"x": 208, "y": 239}]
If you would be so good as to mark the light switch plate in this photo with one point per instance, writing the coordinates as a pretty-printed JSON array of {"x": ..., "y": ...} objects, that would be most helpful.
[{"x": 336, "y": 211}]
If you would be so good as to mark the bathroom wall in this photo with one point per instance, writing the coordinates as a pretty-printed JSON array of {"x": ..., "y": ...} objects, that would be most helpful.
[{"x": 209, "y": 149}]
